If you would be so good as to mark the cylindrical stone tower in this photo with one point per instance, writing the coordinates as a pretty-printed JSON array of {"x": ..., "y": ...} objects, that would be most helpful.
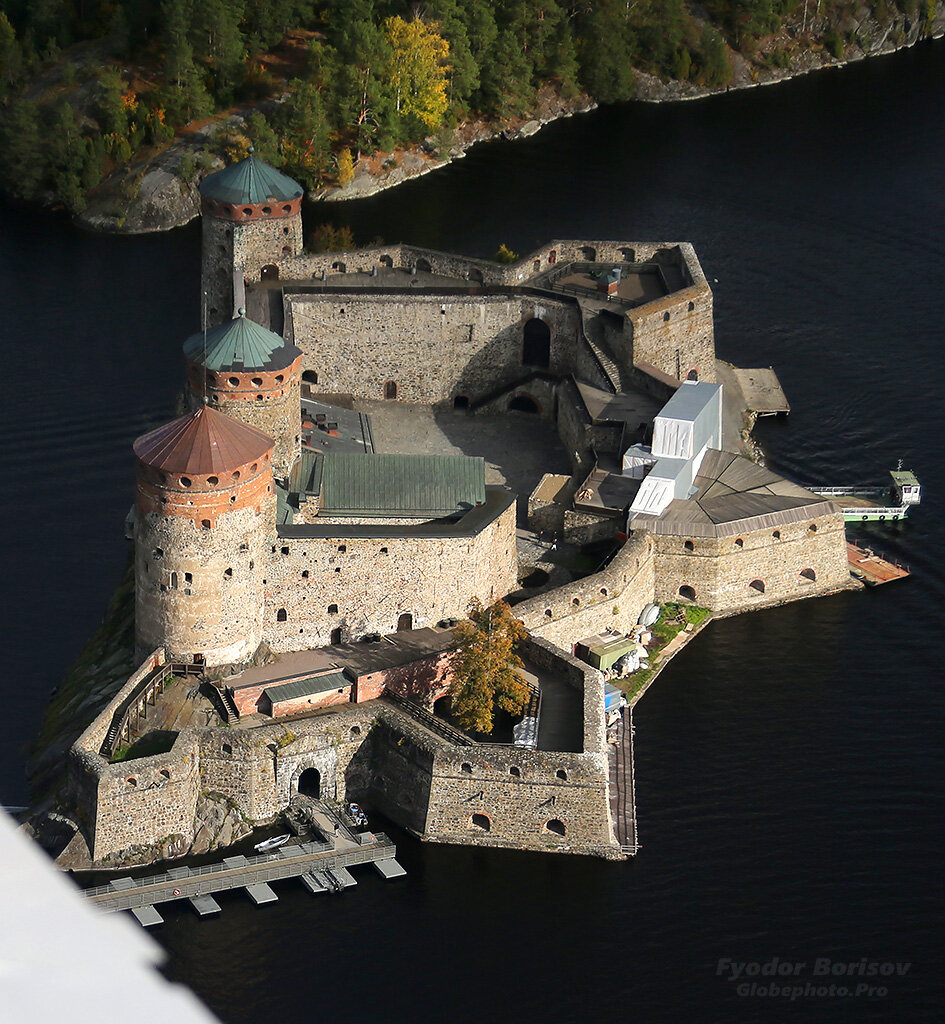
[
  {"x": 252, "y": 219},
  {"x": 205, "y": 506},
  {"x": 251, "y": 374}
]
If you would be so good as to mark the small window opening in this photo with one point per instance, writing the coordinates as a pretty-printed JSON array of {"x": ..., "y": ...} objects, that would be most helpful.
[
  {"x": 561, "y": 774},
  {"x": 555, "y": 826},
  {"x": 466, "y": 768},
  {"x": 515, "y": 771},
  {"x": 281, "y": 615},
  {"x": 481, "y": 821},
  {"x": 333, "y": 609}
]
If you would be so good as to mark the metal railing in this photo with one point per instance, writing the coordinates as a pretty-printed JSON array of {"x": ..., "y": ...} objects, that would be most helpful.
[
  {"x": 184, "y": 883},
  {"x": 135, "y": 704},
  {"x": 431, "y": 721}
]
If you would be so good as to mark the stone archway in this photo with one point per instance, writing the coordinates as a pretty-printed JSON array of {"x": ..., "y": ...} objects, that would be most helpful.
[
  {"x": 536, "y": 343},
  {"x": 310, "y": 783}
]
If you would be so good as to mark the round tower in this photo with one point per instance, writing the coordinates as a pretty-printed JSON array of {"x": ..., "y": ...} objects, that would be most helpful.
[
  {"x": 251, "y": 374},
  {"x": 252, "y": 219},
  {"x": 205, "y": 505}
]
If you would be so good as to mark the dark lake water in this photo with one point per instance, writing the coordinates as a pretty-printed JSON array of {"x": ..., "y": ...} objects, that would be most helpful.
[{"x": 789, "y": 763}]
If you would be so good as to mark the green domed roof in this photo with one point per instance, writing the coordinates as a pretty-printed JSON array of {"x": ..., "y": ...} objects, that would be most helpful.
[
  {"x": 240, "y": 344},
  {"x": 250, "y": 181}
]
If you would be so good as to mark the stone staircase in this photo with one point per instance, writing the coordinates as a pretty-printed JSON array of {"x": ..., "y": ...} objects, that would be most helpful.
[{"x": 617, "y": 376}]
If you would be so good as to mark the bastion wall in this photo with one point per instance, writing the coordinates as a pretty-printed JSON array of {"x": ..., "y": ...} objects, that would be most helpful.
[
  {"x": 759, "y": 567},
  {"x": 609, "y": 599}
]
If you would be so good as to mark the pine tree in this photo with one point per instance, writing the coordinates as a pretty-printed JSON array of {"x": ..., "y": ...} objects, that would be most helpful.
[{"x": 485, "y": 667}]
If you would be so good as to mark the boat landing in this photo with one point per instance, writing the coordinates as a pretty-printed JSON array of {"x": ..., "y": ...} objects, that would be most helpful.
[{"x": 870, "y": 568}]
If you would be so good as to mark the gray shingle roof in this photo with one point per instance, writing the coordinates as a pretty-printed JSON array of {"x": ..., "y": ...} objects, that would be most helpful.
[{"x": 735, "y": 495}]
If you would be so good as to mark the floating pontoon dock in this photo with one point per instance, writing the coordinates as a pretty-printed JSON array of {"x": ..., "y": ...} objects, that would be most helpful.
[{"x": 320, "y": 866}]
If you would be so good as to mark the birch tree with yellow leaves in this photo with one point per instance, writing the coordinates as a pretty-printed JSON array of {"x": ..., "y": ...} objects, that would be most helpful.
[{"x": 419, "y": 67}]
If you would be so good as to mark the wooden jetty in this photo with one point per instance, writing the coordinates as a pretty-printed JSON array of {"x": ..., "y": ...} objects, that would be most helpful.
[
  {"x": 319, "y": 865},
  {"x": 870, "y": 568},
  {"x": 622, "y": 798}
]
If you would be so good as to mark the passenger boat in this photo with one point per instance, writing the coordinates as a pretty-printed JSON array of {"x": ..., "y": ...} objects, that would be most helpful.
[
  {"x": 876, "y": 504},
  {"x": 271, "y": 844}
]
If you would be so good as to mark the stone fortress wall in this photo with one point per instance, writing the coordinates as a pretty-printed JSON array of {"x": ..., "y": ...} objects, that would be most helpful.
[
  {"x": 759, "y": 567},
  {"x": 357, "y": 343},
  {"x": 433, "y": 348},
  {"x": 482, "y": 794},
  {"x": 321, "y": 579}
]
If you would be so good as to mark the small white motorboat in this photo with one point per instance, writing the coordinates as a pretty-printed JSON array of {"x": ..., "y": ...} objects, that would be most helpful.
[{"x": 272, "y": 844}]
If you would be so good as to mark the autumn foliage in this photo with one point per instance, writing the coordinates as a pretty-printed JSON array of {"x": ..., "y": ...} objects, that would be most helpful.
[{"x": 485, "y": 667}]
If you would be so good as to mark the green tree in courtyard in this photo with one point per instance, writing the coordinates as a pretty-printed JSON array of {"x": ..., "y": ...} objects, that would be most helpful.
[{"x": 485, "y": 667}]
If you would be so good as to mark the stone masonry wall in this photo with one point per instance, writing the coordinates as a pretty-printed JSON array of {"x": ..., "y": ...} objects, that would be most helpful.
[
  {"x": 145, "y": 802},
  {"x": 363, "y": 586},
  {"x": 432, "y": 347},
  {"x": 720, "y": 571},
  {"x": 200, "y": 591},
  {"x": 610, "y": 599},
  {"x": 260, "y": 243}
]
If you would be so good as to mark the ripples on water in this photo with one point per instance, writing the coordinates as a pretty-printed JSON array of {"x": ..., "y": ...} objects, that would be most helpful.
[{"x": 789, "y": 763}]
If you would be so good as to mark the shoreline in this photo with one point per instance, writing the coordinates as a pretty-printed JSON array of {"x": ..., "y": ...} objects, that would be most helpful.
[{"x": 157, "y": 183}]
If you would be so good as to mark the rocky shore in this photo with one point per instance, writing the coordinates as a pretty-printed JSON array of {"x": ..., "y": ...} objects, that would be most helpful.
[{"x": 150, "y": 196}]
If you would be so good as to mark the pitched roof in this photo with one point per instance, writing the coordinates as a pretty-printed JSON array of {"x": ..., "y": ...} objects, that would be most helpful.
[
  {"x": 734, "y": 495},
  {"x": 240, "y": 344},
  {"x": 307, "y": 687},
  {"x": 409, "y": 486},
  {"x": 202, "y": 442},
  {"x": 249, "y": 181}
]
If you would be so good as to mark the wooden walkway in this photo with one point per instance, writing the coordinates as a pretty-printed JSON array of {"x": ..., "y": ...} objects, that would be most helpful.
[
  {"x": 872, "y": 569},
  {"x": 623, "y": 809}
]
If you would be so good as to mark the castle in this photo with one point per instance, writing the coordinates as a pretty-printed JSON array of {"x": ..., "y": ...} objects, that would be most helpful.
[{"x": 261, "y": 525}]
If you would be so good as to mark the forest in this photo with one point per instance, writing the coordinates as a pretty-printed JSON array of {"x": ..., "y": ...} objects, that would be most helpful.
[{"x": 87, "y": 86}]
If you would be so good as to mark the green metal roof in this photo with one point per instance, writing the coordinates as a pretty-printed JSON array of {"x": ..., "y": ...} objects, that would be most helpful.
[
  {"x": 240, "y": 344},
  {"x": 249, "y": 181},
  {"x": 409, "y": 486},
  {"x": 307, "y": 687}
]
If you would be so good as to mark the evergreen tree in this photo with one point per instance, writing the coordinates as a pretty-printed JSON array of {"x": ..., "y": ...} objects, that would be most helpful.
[
  {"x": 21, "y": 150},
  {"x": 185, "y": 94}
]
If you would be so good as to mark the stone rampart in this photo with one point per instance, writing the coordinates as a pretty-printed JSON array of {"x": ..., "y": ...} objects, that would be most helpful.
[
  {"x": 361, "y": 585},
  {"x": 760, "y": 567},
  {"x": 426, "y": 348},
  {"x": 609, "y": 599}
]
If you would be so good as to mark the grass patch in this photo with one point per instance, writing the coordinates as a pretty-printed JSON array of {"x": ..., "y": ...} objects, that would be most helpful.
[
  {"x": 157, "y": 742},
  {"x": 673, "y": 619}
]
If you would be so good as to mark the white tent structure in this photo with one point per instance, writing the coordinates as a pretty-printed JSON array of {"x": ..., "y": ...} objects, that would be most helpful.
[{"x": 686, "y": 428}]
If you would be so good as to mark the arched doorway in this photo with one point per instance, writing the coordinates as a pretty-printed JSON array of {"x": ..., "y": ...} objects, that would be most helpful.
[
  {"x": 536, "y": 343},
  {"x": 270, "y": 272},
  {"x": 405, "y": 622},
  {"x": 335, "y": 637},
  {"x": 692, "y": 375},
  {"x": 339, "y": 267},
  {"x": 390, "y": 389},
  {"x": 461, "y": 402},
  {"x": 310, "y": 783},
  {"x": 688, "y": 593},
  {"x": 475, "y": 275},
  {"x": 524, "y": 403},
  {"x": 423, "y": 266},
  {"x": 589, "y": 253},
  {"x": 310, "y": 377}
]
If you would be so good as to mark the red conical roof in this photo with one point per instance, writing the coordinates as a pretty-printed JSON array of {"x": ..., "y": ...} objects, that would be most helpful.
[{"x": 202, "y": 443}]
